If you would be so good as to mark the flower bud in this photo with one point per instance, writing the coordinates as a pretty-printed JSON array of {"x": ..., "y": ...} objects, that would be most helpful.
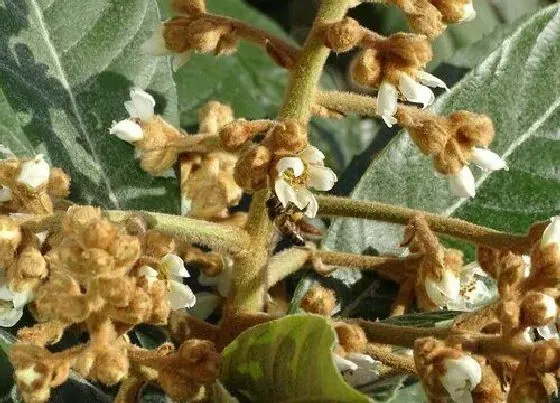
[
  {"x": 59, "y": 183},
  {"x": 235, "y": 134},
  {"x": 455, "y": 11},
  {"x": 425, "y": 20},
  {"x": 413, "y": 50},
  {"x": 213, "y": 116},
  {"x": 189, "y": 7},
  {"x": 110, "y": 366},
  {"x": 174, "y": 33},
  {"x": 546, "y": 356},
  {"x": 319, "y": 300},
  {"x": 344, "y": 35},
  {"x": 127, "y": 130},
  {"x": 78, "y": 218},
  {"x": 204, "y": 35},
  {"x": 251, "y": 170},
  {"x": 100, "y": 234},
  {"x": 288, "y": 137},
  {"x": 351, "y": 337},
  {"x": 537, "y": 309},
  {"x": 471, "y": 130},
  {"x": 158, "y": 244},
  {"x": 462, "y": 183},
  {"x": 10, "y": 238},
  {"x": 430, "y": 136},
  {"x": 366, "y": 69}
]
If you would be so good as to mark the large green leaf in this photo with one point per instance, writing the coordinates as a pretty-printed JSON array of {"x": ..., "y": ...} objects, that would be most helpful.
[
  {"x": 288, "y": 360},
  {"x": 247, "y": 80},
  {"x": 518, "y": 86},
  {"x": 65, "y": 70}
]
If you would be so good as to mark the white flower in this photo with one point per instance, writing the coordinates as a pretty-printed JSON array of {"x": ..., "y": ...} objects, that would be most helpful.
[
  {"x": 155, "y": 46},
  {"x": 462, "y": 183},
  {"x": 357, "y": 369},
  {"x": 222, "y": 281},
  {"x": 173, "y": 269},
  {"x": 474, "y": 292},
  {"x": 469, "y": 13},
  {"x": 139, "y": 107},
  {"x": 443, "y": 291},
  {"x": 5, "y": 194},
  {"x": 11, "y": 304},
  {"x": 487, "y": 160},
  {"x": 551, "y": 234},
  {"x": 461, "y": 377},
  {"x": 296, "y": 174},
  {"x": 413, "y": 90},
  {"x": 549, "y": 332},
  {"x": 34, "y": 173}
]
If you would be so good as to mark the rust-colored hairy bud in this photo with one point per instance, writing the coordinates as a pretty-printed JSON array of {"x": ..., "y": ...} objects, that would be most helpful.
[
  {"x": 78, "y": 218},
  {"x": 251, "y": 170},
  {"x": 319, "y": 300},
  {"x": 59, "y": 183},
  {"x": 537, "y": 309},
  {"x": 213, "y": 116},
  {"x": 430, "y": 136},
  {"x": 414, "y": 51},
  {"x": 366, "y": 68},
  {"x": 452, "y": 11},
  {"x": 158, "y": 244},
  {"x": 100, "y": 234},
  {"x": 10, "y": 239},
  {"x": 287, "y": 137},
  {"x": 351, "y": 337},
  {"x": 189, "y": 7},
  {"x": 235, "y": 134},
  {"x": 546, "y": 356},
  {"x": 471, "y": 129},
  {"x": 110, "y": 366},
  {"x": 344, "y": 35},
  {"x": 204, "y": 35},
  {"x": 175, "y": 33},
  {"x": 422, "y": 17}
]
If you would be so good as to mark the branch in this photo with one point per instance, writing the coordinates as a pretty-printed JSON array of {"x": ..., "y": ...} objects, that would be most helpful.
[
  {"x": 383, "y": 353},
  {"x": 398, "y": 335},
  {"x": 343, "y": 207}
]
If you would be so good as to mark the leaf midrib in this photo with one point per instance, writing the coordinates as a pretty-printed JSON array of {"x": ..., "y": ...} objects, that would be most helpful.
[{"x": 66, "y": 85}]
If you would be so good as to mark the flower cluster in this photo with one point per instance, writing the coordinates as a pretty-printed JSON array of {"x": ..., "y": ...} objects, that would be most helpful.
[{"x": 453, "y": 142}]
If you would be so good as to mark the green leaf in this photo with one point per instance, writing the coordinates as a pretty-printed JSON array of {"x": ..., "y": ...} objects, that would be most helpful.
[
  {"x": 288, "y": 360},
  {"x": 65, "y": 70},
  {"x": 248, "y": 80},
  {"x": 519, "y": 88}
]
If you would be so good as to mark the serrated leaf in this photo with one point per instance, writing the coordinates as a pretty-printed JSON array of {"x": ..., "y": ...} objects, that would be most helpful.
[
  {"x": 248, "y": 80},
  {"x": 519, "y": 88},
  {"x": 65, "y": 71},
  {"x": 288, "y": 360}
]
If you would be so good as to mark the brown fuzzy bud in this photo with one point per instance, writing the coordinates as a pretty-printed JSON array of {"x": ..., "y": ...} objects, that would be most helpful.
[
  {"x": 537, "y": 309},
  {"x": 288, "y": 137},
  {"x": 189, "y": 7},
  {"x": 10, "y": 238},
  {"x": 454, "y": 11},
  {"x": 414, "y": 51},
  {"x": 430, "y": 136},
  {"x": 110, "y": 366},
  {"x": 366, "y": 68},
  {"x": 422, "y": 17},
  {"x": 235, "y": 134},
  {"x": 99, "y": 234},
  {"x": 117, "y": 291},
  {"x": 546, "y": 356},
  {"x": 29, "y": 265},
  {"x": 213, "y": 116},
  {"x": 78, "y": 218},
  {"x": 251, "y": 170},
  {"x": 175, "y": 33},
  {"x": 351, "y": 337},
  {"x": 204, "y": 35},
  {"x": 158, "y": 150},
  {"x": 179, "y": 388},
  {"x": 227, "y": 45},
  {"x": 125, "y": 249},
  {"x": 344, "y": 35},
  {"x": 319, "y": 300},
  {"x": 158, "y": 244},
  {"x": 471, "y": 130},
  {"x": 203, "y": 355},
  {"x": 59, "y": 183}
]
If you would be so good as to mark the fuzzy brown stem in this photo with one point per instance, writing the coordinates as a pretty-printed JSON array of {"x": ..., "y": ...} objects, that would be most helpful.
[
  {"x": 496, "y": 345},
  {"x": 383, "y": 353},
  {"x": 183, "y": 326},
  {"x": 405, "y": 297},
  {"x": 398, "y": 335},
  {"x": 343, "y": 207}
]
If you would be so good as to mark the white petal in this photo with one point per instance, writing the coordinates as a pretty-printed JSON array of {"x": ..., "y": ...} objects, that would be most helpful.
[
  {"x": 174, "y": 265},
  {"x": 206, "y": 303},
  {"x": 5, "y": 194},
  {"x": 144, "y": 104},
  {"x": 487, "y": 159},
  {"x": 22, "y": 298},
  {"x": 5, "y": 293},
  {"x": 156, "y": 44},
  {"x": 180, "y": 60},
  {"x": 34, "y": 173},
  {"x": 132, "y": 112},
  {"x": 461, "y": 376},
  {"x": 9, "y": 316},
  {"x": 312, "y": 155},
  {"x": 430, "y": 80},
  {"x": 186, "y": 205},
  {"x": 293, "y": 163},
  {"x": 548, "y": 332},
  {"x": 342, "y": 364},
  {"x": 469, "y": 12},
  {"x": 284, "y": 192},
  {"x": 413, "y": 91},
  {"x": 549, "y": 303},
  {"x": 462, "y": 183},
  {"x": 147, "y": 271},
  {"x": 363, "y": 360},
  {"x": 387, "y": 102},
  {"x": 127, "y": 130},
  {"x": 321, "y": 178},
  {"x": 180, "y": 295},
  {"x": 445, "y": 290},
  {"x": 168, "y": 173},
  {"x": 306, "y": 200},
  {"x": 552, "y": 232}
]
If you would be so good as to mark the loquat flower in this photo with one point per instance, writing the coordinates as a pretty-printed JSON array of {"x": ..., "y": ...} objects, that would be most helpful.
[
  {"x": 474, "y": 292},
  {"x": 34, "y": 173},
  {"x": 11, "y": 303},
  {"x": 461, "y": 376},
  {"x": 297, "y": 173},
  {"x": 140, "y": 107},
  {"x": 445, "y": 290}
]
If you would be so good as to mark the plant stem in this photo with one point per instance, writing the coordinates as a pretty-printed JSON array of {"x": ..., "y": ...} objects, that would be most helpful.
[
  {"x": 383, "y": 353},
  {"x": 398, "y": 335},
  {"x": 496, "y": 345},
  {"x": 343, "y": 207},
  {"x": 307, "y": 71},
  {"x": 249, "y": 281},
  {"x": 215, "y": 236}
]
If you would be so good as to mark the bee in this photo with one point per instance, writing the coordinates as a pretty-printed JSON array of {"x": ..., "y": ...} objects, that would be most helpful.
[{"x": 289, "y": 221}]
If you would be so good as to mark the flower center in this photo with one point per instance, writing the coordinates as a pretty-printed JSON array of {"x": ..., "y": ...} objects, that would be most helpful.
[{"x": 297, "y": 181}]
